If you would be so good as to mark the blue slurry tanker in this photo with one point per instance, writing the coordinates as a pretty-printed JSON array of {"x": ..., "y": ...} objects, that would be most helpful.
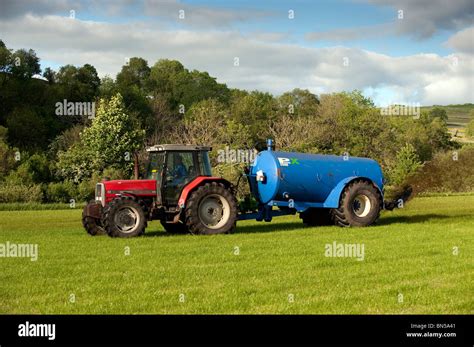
[
  {"x": 321, "y": 188},
  {"x": 179, "y": 190}
]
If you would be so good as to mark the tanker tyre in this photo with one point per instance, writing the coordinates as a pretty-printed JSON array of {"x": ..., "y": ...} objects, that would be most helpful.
[
  {"x": 124, "y": 217},
  {"x": 316, "y": 217},
  {"x": 211, "y": 209},
  {"x": 92, "y": 225},
  {"x": 175, "y": 228},
  {"x": 359, "y": 205}
]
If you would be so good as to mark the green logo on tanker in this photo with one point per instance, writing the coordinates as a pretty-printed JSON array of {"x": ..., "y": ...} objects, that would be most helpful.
[{"x": 288, "y": 161}]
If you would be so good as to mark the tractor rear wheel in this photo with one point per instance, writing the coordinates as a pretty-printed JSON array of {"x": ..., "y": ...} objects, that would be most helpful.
[
  {"x": 175, "y": 228},
  {"x": 359, "y": 206},
  {"x": 124, "y": 217},
  {"x": 211, "y": 209},
  {"x": 316, "y": 217},
  {"x": 92, "y": 225}
]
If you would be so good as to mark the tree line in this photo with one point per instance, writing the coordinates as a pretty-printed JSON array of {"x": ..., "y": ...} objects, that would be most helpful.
[{"x": 53, "y": 156}]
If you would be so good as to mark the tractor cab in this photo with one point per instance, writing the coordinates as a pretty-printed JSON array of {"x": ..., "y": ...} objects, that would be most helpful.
[{"x": 174, "y": 166}]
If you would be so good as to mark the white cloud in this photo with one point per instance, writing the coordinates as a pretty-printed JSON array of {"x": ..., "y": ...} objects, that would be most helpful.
[
  {"x": 267, "y": 66},
  {"x": 462, "y": 41}
]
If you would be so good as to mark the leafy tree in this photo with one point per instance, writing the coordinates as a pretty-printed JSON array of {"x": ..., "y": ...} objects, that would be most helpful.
[
  {"x": 27, "y": 128},
  {"x": 135, "y": 73},
  {"x": 24, "y": 64},
  {"x": 108, "y": 87},
  {"x": 5, "y": 58},
  {"x": 438, "y": 112},
  {"x": 89, "y": 80},
  {"x": 298, "y": 102},
  {"x": 132, "y": 83},
  {"x": 204, "y": 123},
  {"x": 7, "y": 154},
  {"x": 179, "y": 86},
  {"x": 110, "y": 141},
  {"x": 163, "y": 76},
  {"x": 50, "y": 75},
  {"x": 257, "y": 109},
  {"x": 65, "y": 140},
  {"x": 77, "y": 84},
  {"x": 407, "y": 164},
  {"x": 33, "y": 169}
]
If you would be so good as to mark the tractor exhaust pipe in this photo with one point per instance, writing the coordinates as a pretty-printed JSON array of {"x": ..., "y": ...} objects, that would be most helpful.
[
  {"x": 136, "y": 174},
  {"x": 399, "y": 199}
]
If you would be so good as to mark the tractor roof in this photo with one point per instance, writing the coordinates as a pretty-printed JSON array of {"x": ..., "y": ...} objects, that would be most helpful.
[{"x": 168, "y": 147}]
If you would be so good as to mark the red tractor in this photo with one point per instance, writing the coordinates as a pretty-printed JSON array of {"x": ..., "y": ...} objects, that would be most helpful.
[{"x": 178, "y": 189}]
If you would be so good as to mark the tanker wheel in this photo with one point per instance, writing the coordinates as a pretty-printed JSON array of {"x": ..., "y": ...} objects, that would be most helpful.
[
  {"x": 124, "y": 217},
  {"x": 211, "y": 209},
  {"x": 175, "y": 228},
  {"x": 316, "y": 217},
  {"x": 359, "y": 206},
  {"x": 92, "y": 225}
]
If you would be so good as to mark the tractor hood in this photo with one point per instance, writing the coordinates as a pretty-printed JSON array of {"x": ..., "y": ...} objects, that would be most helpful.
[{"x": 107, "y": 190}]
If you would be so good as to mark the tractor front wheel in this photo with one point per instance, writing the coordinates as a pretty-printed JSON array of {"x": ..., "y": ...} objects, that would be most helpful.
[
  {"x": 124, "y": 217},
  {"x": 92, "y": 225},
  {"x": 211, "y": 209}
]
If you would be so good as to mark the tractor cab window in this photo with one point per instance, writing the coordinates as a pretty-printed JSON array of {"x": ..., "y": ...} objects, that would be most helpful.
[
  {"x": 155, "y": 165},
  {"x": 180, "y": 170},
  {"x": 204, "y": 163}
]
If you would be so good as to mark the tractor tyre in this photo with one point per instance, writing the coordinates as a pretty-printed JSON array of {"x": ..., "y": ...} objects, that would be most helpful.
[
  {"x": 175, "y": 228},
  {"x": 359, "y": 205},
  {"x": 92, "y": 225},
  {"x": 211, "y": 209},
  {"x": 124, "y": 217},
  {"x": 316, "y": 217}
]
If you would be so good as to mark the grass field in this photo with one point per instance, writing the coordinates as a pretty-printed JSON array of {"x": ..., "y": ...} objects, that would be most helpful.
[{"x": 281, "y": 267}]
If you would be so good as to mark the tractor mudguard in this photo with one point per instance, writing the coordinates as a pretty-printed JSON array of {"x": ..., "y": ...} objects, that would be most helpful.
[{"x": 196, "y": 183}]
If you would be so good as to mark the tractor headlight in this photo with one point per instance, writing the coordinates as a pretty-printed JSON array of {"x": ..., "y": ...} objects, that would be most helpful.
[{"x": 100, "y": 193}]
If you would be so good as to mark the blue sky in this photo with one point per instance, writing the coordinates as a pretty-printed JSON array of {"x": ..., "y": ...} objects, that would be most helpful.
[{"x": 425, "y": 57}]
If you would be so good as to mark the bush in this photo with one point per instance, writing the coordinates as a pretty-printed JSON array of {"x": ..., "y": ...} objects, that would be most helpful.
[
  {"x": 407, "y": 163},
  {"x": 448, "y": 172},
  {"x": 20, "y": 193},
  {"x": 470, "y": 128},
  {"x": 61, "y": 191}
]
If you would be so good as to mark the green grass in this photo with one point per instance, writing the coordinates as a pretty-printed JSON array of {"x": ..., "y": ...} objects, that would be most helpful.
[
  {"x": 409, "y": 252},
  {"x": 28, "y": 206}
]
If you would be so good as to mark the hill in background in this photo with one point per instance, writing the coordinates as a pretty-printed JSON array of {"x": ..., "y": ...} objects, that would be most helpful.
[{"x": 458, "y": 117}]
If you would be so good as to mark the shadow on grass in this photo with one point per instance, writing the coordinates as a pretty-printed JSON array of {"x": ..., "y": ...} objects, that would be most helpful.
[
  {"x": 418, "y": 218},
  {"x": 159, "y": 233},
  {"x": 266, "y": 227}
]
